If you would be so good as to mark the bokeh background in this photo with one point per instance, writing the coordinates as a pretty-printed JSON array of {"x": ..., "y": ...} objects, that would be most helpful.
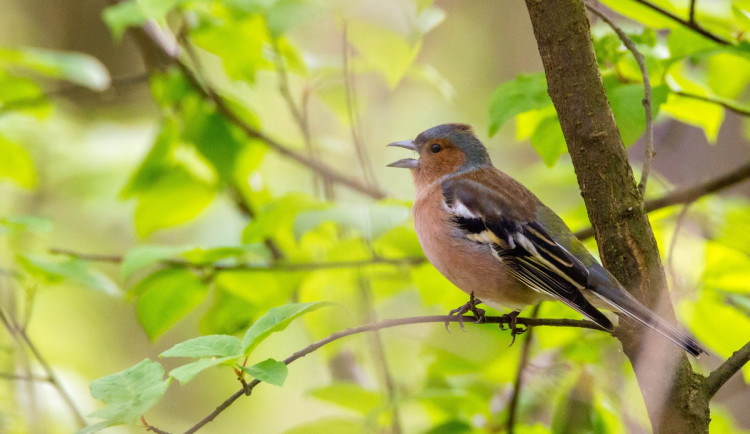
[{"x": 86, "y": 144}]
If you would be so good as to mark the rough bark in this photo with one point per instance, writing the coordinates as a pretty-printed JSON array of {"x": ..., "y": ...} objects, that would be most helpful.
[{"x": 616, "y": 210}]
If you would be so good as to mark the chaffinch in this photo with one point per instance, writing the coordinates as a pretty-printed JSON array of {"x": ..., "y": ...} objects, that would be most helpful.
[{"x": 494, "y": 239}]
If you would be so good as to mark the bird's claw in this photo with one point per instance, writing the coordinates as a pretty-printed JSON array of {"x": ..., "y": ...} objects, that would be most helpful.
[
  {"x": 513, "y": 326},
  {"x": 470, "y": 306}
]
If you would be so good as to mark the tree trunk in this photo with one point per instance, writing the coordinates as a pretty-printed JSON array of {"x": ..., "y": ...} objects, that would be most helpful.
[{"x": 671, "y": 390}]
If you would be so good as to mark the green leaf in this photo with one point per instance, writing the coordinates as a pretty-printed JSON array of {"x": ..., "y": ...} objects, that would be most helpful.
[
  {"x": 27, "y": 223},
  {"x": 627, "y": 107},
  {"x": 186, "y": 373},
  {"x": 286, "y": 14},
  {"x": 683, "y": 42},
  {"x": 78, "y": 68},
  {"x": 371, "y": 221},
  {"x": 72, "y": 269},
  {"x": 206, "y": 346},
  {"x": 726, "y": 269},
  {"x": 176, "y": 198},
  {"x": 351, "y": 396},
  {"x": 451, "y": 427},
  {"x": 277, "y": 319},
  {"x": 383, "y": 50},
  {"x": 141, "y": 257},
  {"x": 742, "y": 16},
  {"x": 331, "y": 425},
  {"x": 238, "y": 44},
  {"x": 129, "y": 393},
  {"x": 276, "y": 220},
  {"x": 526, "y": 92},
  {"x": 132, "y": 13},
  {"x": 16, "y": 164},
  {"x": 547, "y": 138},
  {"x": 165, "y": 297},
  {"x": 22, "y": 95},
  {"x": 213, "y": 136},
  {"x": 269, "y": 371},
  {"x": 704, "y": 115},
  {"x": 228, "y": 313}
]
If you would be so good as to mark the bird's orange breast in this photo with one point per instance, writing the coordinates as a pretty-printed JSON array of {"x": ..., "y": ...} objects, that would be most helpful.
[{"x": 469, "y": 265}]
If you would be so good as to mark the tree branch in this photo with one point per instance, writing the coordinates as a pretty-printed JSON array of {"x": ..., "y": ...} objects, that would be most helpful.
[
  {"x": 277, "y": 266},
  {"x": 724, "y": 372},
  {"x": 615, "y": 208},
  {"x": 153, "y": 40},
  {"x": 689, "y": 194},
  {"x": 648, "y": 155},
  {"x": 389, "y": 323},
  {"x": 690, "y": 24}
]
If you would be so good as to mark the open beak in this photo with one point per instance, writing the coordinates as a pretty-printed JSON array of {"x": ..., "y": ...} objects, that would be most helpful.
[{"x": 406, "y": 163}]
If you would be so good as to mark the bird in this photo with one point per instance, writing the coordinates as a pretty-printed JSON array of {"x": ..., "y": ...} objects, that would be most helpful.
[{"x": 495, "y": 240}]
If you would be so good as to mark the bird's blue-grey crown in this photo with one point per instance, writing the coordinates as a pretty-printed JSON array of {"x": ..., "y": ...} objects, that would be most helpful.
[{"x": 461, "y": 136}]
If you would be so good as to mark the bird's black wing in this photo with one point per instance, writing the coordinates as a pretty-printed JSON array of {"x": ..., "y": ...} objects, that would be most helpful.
[{"x": 488, "y": 216}]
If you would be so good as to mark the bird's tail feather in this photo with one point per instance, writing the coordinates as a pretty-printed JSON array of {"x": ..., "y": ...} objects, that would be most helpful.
[{"x": 628, "y": 305}]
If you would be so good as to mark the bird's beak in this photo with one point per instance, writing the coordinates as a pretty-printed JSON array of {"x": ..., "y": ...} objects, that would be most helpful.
[{"x": 406, "y": 163}]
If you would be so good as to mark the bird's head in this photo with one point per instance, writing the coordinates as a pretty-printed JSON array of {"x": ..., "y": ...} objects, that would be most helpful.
[{"x": 443, "y": 150}]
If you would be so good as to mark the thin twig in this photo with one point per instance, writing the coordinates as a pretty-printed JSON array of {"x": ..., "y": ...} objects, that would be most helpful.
[
  {"x": 726, "y": 104},
  {"x": 9, "y": 376},
  {"x": 19, "y": 334},
  {"x": 689, "y": 194},
  {"x": 522, "y": 363},
  {"x": 630, "y": 45},
  {"x": 277, "y": 266},
  {"x": 691, "y": 15},
  {"x": 66, "y": 90},
  {"x": 379, "y": 355},
  {"x": 694, "y": 26},
  {"x": 724, "y": 372},
  {"x": 529, "y": 322},
  {"x": 351, "y": 109},
  {"x": 298, "y": 112},
  {"x": 53, "y": 380}
]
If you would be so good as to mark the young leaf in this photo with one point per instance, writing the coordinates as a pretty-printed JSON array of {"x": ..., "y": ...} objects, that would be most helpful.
[
  {"x": 176, "y": 198},
  {"x": 526, "y": 92},
  {"x": 206, "y": 346},
  {"x": 383, "y": 50},
  {"x": 187, "y": 372},
  {"x": 269, "y": 371},
  {"x": 78, "y": 68},
  {"x": 16, "y": 164},
  {"x": 129, "y": 393},
  {"x": 71, "y": 269},
  {"x": 277, "y": 319},
  {"x": 165, "y": 297},
  {"x": 143, "y": 256}
]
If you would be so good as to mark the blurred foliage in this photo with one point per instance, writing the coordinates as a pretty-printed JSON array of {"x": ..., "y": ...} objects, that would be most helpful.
[{"x": 302, "y": 244}]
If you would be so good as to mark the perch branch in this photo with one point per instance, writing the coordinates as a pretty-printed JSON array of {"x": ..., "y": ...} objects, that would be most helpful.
[{"x": 529, "y": 322}]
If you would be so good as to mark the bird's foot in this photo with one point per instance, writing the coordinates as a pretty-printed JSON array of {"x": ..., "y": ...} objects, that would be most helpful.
[
  {"x": 471, "y": 306},
  {"x": 513, "y": 326}
]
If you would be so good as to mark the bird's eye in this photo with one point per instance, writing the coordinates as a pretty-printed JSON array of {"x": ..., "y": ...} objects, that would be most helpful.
[{"x": 435, "y": 148}]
